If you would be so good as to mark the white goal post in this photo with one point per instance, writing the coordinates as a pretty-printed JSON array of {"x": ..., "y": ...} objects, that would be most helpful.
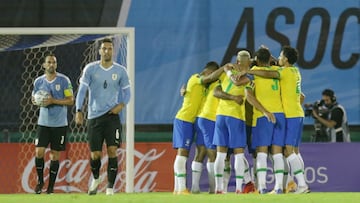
[{"x": 130, "y": 65}]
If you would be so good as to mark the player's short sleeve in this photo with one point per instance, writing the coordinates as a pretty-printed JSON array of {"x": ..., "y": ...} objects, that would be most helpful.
[
  {"x": 86, "y": 75},
  {"x": 36, "y": 86},
  {"x": 68, "y": 90}
]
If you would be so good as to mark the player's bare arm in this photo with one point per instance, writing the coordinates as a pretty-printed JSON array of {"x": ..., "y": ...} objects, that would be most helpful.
[
  {"x": 302, "y": 98},
  {"x": 79, "y": 118},
  {"x": 250, "y": 97},
  {"x": 265, "y": 73},
  {"x": 68, "y": 101},
  {"x": 219, "y": 93},
  {"x": 213, "y": 76},
  {"x": 239, "y": 80}
]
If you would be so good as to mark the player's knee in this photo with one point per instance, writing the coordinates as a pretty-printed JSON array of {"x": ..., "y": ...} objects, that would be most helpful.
[
  {"x": 39, "y": 152},
  {"x": 95, "y": 155},
  {"x": 288, "y": 151},
  {"x": 111, "y": 151},
  {"x": 276, "y": 149},
  {"x": 54, "y": 155},
  {"x": 183, "y": 152},
  {"x": 200, "y": 154}
]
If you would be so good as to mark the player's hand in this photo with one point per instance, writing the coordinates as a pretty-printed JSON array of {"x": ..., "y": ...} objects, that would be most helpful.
[
  {"x": 270, "y": 117},
  {"x": 239, "y": 75},
  {"x": 117, "y": 109},
  {"x": 228, "y": 66},
  {"x": 240, "y": 80},
  {"x": 47, "y": 101},
  {"x": 79, "y": 118},
  {"x": 238, "y": 99},
  {"x": 182, "y": 90}
]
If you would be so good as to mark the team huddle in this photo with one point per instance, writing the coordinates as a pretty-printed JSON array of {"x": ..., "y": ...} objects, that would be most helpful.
[{"x": 253, "y": 105}]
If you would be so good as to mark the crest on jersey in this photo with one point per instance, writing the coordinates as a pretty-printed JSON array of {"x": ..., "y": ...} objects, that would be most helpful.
[
  {"x": 57, "y": 87},
  {"x": 114, "y": 76}
]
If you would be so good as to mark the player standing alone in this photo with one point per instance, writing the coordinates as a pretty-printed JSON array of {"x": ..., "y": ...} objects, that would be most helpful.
[
  {"x": 52, "y": 122},
  {"x": 109, "y": 91}
]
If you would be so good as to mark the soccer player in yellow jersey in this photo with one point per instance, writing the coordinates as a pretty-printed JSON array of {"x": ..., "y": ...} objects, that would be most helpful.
[
  {"x": 265, "y": 133},
  {"x": 204, "y": 126},
  {"x": 290, "y": 82},
  {"x": 183, "y": 130},
  {"x": 292, "y": 97},
  {"x": 230, "y": 130},
  {"x": 243, "y": 59}
]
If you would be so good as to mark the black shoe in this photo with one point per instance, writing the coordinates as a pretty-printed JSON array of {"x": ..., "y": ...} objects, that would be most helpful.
[
  {"x": 50, "y": 191},
  {"x": 38, "y": 188}
]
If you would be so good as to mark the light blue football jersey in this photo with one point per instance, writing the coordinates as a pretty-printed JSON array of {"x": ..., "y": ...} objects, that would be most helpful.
[
  {"x": 54, "y": 115},
  {"x": 105, "y": 86}
]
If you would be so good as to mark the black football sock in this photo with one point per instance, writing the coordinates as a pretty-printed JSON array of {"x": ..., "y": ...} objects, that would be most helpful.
[
  {"x": 39, "y": 164},
  {"x": 112, "y": 171},
  {"x": 95, "y": 167},
  {"x": 54, "y": 167}
]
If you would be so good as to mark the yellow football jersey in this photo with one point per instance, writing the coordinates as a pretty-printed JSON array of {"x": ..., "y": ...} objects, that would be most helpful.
[
  {"x": 208, "y": 110},
  {"x": 193, "y": 98},
  {"x": 230, "y": 107},
  {"x": 267, "y": 92},
  {"x": 290, "y": 83}
]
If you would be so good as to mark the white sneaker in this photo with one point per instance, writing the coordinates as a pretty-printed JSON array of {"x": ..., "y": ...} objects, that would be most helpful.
[
  {"x": 93, "y": 187},
  {"x": 109, "y": 191},
  {"x": 302, "y": 190}
]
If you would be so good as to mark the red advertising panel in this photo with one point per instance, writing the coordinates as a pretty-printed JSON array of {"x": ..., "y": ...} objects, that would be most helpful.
[{"x": 153, "y": 169}]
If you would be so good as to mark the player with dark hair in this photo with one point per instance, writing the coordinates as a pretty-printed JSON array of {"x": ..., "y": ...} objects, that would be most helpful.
[
  {"x": 337, "y": 120},
  {"x": 204, "y": 128},
  {"x": 291, "y": 98},
  {"x": 109, "y": 92},
  {"x": 52, "y": 123},
  {"x": 266, "y": 133},
  {"x": 184, "y": 129}
]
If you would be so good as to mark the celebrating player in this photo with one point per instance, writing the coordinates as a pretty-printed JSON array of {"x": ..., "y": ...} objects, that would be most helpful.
[
  {"x": 230, "y": 129},
  {"x": 183, "y": 131},
  {"x": 291, "y": 97}
]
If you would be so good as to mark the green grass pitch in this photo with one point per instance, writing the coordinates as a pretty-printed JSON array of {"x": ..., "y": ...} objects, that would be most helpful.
[{"x": 166, "y": 197}]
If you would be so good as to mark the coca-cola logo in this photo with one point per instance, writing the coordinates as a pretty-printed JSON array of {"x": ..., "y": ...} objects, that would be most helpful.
[{"x": 72, "y": 173}]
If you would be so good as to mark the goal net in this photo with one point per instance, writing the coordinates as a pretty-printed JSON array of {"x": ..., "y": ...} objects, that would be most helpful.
[{"x": 24, "y": 49}]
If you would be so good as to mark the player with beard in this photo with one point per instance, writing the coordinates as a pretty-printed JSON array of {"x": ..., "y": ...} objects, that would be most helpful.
[{"x": 52, "y": 122}]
